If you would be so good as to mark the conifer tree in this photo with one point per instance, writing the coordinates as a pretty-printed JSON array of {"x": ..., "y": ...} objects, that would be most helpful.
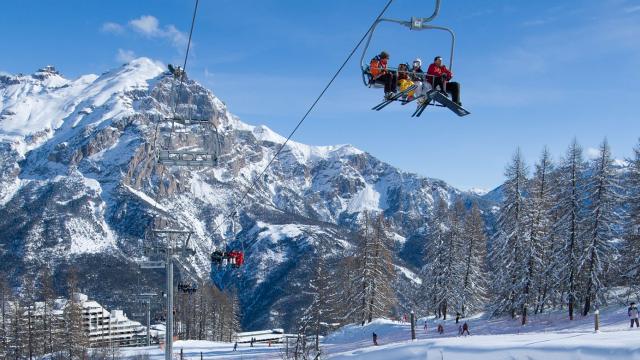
[
  {"x": 570, "y": 213},
  {"x": 598, "y": 254},
  {"x": 631, "y": 267},
  {"x": 507, "y": 253},
  {"x": 375, "y": 274},
  {"x": 5, "y": 315},
  {"x": 474, "y": 252},
  {"x": 540, "y": 205}
]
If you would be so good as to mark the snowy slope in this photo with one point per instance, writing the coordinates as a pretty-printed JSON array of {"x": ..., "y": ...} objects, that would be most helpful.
[{"x": 550, "y": 336}]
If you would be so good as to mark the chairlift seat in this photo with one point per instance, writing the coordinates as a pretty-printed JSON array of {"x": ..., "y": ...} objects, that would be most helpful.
[{"x": 187, "y": 158}]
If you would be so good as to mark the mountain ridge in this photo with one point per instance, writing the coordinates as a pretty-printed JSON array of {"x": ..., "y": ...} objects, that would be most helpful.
[{"x": 87, "y": 150}]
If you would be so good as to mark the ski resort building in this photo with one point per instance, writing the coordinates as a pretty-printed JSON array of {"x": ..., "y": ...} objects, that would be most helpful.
[{"x": 105, "y": 328}]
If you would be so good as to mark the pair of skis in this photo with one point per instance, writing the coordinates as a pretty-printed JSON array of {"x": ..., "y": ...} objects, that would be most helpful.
[
  {"x": 431, "y": 95},
  {"x": 442, "y": 99},
  {"x": 395, "y": 97}
]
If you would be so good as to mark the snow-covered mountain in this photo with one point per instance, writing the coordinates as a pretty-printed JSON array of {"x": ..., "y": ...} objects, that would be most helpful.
[{"x": 79, "y": 185}]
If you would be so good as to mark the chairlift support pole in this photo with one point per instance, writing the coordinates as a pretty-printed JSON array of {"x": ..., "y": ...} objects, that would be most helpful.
[
  {"x": 168, "y": 353},
  {"x": 146, "y": 298},
  {"x": 171, "y": 253}
]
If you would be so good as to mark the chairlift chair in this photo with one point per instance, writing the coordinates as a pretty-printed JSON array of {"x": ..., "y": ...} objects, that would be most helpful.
[
  {"x": 417, "y": 24},
  {"x": 207, "y": 157}
]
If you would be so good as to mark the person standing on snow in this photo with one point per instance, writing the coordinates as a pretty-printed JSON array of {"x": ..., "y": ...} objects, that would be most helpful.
[
  {"x": 439, "y": 76},
  {"x": 425, "y": 326},
  {"x": 633, "y": 314},
  {"x": 440, "y": 329},
  {"x": 375, "y": 339},
  {"x": 457, "y": 317},
  {"x": 235, "y": 346},
  {"x": 465, "y": 328}
]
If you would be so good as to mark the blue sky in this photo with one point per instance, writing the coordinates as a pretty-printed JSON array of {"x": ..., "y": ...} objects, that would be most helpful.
[{"x": 533, "y": 73}]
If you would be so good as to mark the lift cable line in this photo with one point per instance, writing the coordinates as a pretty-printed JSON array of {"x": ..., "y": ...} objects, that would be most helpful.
[{"x": 253, "y": 183}]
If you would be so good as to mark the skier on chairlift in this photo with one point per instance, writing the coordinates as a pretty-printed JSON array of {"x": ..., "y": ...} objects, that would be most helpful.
[
  {"x": 176, "y": 71},
  {"x": 382, "y": 75},
  {"x": 417, "y": 75},
  {"x": 439, "y": 76},
  {"x": 404, "y": 80}
]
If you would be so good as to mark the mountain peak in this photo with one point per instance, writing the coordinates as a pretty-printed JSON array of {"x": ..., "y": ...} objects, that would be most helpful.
[{"x": 45, "y": 72}]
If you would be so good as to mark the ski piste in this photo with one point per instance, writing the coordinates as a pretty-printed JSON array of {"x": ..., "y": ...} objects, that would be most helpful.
[{"x": 395, "y": 97}]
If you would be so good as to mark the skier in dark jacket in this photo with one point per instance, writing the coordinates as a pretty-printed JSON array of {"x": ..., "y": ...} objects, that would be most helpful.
[
  {"x": 633, "y": 314},
  {"x": 375, "y": 339},
  {"x": 235, "y": 346},
  {"x": 457, "y": 317},
  {"x": 465, "y": 328}
]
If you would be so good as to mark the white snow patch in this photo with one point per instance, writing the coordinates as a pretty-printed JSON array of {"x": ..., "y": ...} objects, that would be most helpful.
[
  {"x": 366, "y": 199},
  {"x": 399, "y": 238},
  {"x": 478, "y": 191},
  {"x": 409, "y": 274},
  {"x": 278, "y": 232},
  {"x": 146, "y": 198}
]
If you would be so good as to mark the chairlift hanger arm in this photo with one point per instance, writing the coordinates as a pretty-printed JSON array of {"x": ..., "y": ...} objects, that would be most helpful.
[
  {"x": 413, "y": 24},
  {"x": 416, "y": 23}
]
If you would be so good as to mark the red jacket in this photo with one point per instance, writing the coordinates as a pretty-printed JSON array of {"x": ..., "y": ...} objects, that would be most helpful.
[{"x": 438, "y": 71}]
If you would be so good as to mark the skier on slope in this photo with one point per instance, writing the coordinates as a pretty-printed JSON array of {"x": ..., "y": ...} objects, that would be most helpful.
[
  {"x": 465, "y": 328},
  {"x": 381, "y": 75},
  {"x": 633, "y": 314},
  {"x": 439, "y": 75},
  {"x": 375, "y": 339}
]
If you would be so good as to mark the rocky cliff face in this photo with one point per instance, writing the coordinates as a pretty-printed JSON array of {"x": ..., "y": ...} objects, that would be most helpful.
[{"x": 80, "y": 185}]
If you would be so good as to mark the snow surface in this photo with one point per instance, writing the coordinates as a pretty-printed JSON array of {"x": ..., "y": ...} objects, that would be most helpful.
[
  {"x": 366, "y": 199},
  {"x": 39, "y": 105},
  {"x": 409, "y": 274},
  {"x": 547, "y": 337}
]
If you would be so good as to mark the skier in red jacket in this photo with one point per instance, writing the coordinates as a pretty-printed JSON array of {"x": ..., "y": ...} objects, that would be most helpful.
[{"x": 439, "y": 75}]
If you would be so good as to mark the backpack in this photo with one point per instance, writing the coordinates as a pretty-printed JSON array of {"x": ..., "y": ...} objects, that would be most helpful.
[{"x": 375, "y": 67}]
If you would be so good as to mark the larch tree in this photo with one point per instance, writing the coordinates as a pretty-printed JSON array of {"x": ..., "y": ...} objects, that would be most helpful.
[
  {"x": 49, "y": 323},
  {"x": 321, "y": 313},
  {"x": 473, "y": 252},
  {"x": 598, "y": 255},
  {"x": 5, "y": 316},
  {"x": 508, "y": 261},
  {"x": 632, "y": 228},
  {"x": 435, "y": 287},
  {"x": 540, "y": 204},
  {"x": 374, "y": 295},
  {"x": 569, "y": 197}
]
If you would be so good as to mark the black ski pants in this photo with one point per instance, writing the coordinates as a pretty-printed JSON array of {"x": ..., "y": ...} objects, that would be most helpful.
[
  {"x": 390, "y": 81},
  {"x": 453, "y": 88},
  {"x": 636, "y": 321}
]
